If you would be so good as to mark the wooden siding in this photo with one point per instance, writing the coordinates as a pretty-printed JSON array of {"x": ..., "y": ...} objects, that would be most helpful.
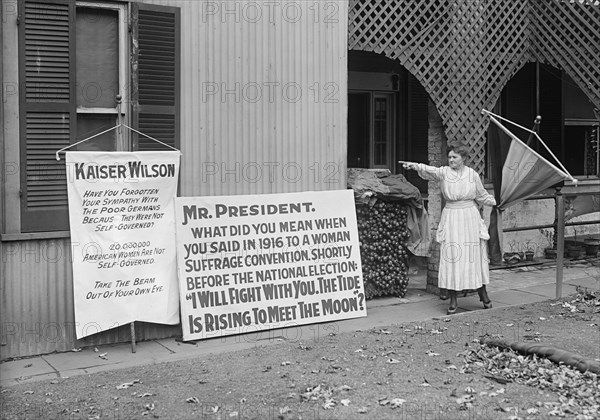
[
  {"x": 264, "y": 96},
  {"x": 37, "y": 309},
  {"x": 263, "y": 110}
]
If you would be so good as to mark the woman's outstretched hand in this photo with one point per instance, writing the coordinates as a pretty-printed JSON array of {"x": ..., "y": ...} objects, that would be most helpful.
[{"x": 409, "y": 165}]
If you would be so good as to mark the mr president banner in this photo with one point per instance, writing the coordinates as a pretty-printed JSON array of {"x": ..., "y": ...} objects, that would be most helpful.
[
  {"x": 251, "y": 263},
  {"x": 124, "y": 258}
]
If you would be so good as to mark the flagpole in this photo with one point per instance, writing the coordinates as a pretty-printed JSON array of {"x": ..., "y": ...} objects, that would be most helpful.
[
  {"x": 563, "y": 170},
  {"x": 121, "y": 146},
  {"x": 536, "y": 124},
  {"x": 556, "y": 159},
  {"x": 559, "y": 198}
]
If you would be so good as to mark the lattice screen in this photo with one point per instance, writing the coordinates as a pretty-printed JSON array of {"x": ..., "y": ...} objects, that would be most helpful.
[
  {"x": 567, "y": 36},
  {"x": 465, "y": 51}
]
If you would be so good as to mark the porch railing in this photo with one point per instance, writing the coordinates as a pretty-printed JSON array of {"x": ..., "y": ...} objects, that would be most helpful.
[{"x": 559, "y": 228}]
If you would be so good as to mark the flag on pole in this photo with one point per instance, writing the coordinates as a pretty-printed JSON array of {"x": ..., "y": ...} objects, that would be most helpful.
[{"x": 519, "y": 172}]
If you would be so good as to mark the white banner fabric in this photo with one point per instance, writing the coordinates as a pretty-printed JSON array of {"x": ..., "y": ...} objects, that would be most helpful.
[
  {"x": 250, "y": 263},
  {"x": 123, "y": 242}
]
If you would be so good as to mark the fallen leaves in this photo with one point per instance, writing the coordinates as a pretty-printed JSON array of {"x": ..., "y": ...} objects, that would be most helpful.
[
  {"x": 314, "y": 393},
  {"x": 327, "y": 395},
  {"x": 391, "y": 402},
  {"x": 128, "y": 384},
  {"x": 499, "y": 379},
  {"x": 367, "y": 374},
  {"x": 579, "y": 393},
  {"x": 396, "y": 402},
  {"x": 466, "y": 400},
  {"x": 329, "y": 403},
  {"x": 145, "y": 394}
]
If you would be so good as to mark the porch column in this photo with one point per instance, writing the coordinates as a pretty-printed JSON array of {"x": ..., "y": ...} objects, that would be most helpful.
[{"x": 437, "y": 157}]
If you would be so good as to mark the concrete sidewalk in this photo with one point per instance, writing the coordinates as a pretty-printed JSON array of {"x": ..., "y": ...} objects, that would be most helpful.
[{"x": 511, "y": 286}]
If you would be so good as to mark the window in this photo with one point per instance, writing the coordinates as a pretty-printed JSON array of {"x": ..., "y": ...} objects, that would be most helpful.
[
  {"x": 100, "y": 71},
  {"x": 581, "y": 129},
  {"x": 75, "y": 58},
  {"x": 371, "y": 130},
  {"x": 383, "y": 130}
]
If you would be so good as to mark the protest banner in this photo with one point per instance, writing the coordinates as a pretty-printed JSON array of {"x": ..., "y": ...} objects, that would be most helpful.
[
  {"x": 124, "y": 259},
  {"x": 256, "y": 262}
]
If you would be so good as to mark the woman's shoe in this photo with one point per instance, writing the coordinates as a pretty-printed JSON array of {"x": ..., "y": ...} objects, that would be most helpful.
[
  {"x": 451, "y": 310},
  {"x": 484, "y": 298}
]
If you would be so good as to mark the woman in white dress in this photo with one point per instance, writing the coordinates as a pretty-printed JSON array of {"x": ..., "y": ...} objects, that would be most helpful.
[{"x": 462, "y": 234}]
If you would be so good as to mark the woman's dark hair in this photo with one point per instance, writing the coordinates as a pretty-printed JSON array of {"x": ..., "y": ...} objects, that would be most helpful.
[{"x": 460, "y": 149}]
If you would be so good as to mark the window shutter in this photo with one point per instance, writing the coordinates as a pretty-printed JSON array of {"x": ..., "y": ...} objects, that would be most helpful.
[
  {"x": 155, "y": 75},
  {"x": 47, "y": 110}
]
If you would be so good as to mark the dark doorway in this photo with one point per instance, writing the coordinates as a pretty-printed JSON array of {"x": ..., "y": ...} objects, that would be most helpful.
[
  {"x": 387, "y": 115},
  {"x": 358, "y": 129},
  {"x": 568, "y": 125}
]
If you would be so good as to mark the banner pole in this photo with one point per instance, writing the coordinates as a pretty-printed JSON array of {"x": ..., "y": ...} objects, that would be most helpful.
[
  {"x": 120, "y": 145},
  {"x": 132, "y": 329}
]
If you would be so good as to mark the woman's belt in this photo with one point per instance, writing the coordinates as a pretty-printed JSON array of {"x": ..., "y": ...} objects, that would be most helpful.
[{"x": 460, "y": 204}]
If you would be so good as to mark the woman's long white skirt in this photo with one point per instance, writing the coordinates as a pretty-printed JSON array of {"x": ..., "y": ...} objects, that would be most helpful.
[{"x": 464, "y": 261}]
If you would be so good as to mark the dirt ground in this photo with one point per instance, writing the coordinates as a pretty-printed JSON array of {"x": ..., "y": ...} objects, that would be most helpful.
[{"x": 428, "y": 370}]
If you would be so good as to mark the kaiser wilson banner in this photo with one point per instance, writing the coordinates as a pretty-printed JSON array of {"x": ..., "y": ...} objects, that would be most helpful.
[
  {"x": 258, "y": 262},
  {"x": 121, "y": 217}
]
